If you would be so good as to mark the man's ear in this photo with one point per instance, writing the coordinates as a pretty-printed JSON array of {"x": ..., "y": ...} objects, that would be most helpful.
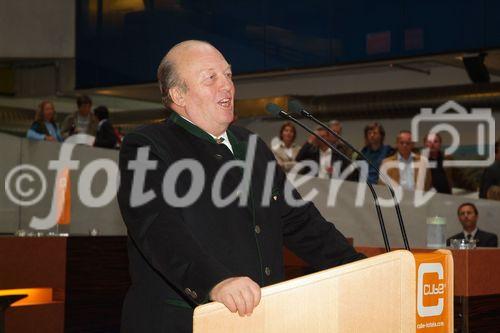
[{"x": 177, "y": 96}]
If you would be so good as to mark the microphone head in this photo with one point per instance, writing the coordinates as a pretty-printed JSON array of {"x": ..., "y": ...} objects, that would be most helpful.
[
  {"x": 273, "y": 109},
  {"x": 295, "y": 106}
]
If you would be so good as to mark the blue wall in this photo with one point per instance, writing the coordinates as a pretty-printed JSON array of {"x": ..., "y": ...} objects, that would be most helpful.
[{"x": 124, "y": 43}]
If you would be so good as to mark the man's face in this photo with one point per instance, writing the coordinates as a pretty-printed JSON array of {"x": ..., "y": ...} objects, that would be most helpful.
[
  {"x": 209, "y": 99},
  {"x": 404, "y": 144},
  {"x": 433, "y": 143},
  {"x": 85, "y": 109},
  {"x": 325, "y": 135},
  {"x": 467, "y": 217},
  {"x": 337, "y": 128},
  {"x": 374, "y": 138}
]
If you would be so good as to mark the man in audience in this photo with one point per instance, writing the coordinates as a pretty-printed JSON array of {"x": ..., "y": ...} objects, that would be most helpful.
[
  {"x": 105, "y": 136},
  {"x": 444, "y": 179},
  {"x": 81, "y": 121},
  {"x": 336, "y": 126},
  {"x": 315, "y": 150},
  {"x": 406, "y": 167},
  {"x": 375, "y": 149},
  {"x": 441, "y": 177},
  {"x": 468, "y": 216},
  {"x": 491, "y": 175}
]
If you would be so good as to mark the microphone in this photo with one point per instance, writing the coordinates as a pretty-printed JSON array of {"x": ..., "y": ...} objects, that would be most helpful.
[
  {"x": 275, "y": 110},
  {"x": 296, "y": 107}
]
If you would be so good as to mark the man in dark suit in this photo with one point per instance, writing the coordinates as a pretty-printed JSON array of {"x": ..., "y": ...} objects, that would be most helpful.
[
  {"x": 105, "y": 136},
  {"x": 468, "y": 216},
  {"x": 318, "y": 152},
  {"x": 188, "y": 246}
]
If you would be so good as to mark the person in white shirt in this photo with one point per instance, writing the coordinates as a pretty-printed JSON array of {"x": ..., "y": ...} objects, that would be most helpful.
[
  {"x": 405, "y": 166},
  {"x": 287, "y": 150},
  {"x": 317, "y": 151}
]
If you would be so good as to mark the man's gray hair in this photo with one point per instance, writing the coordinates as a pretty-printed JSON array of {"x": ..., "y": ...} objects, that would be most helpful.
[
  {"x": 168, "y": 78},
  {"x": 334, "y": 122},
  {"x": 167, "y": 74}
]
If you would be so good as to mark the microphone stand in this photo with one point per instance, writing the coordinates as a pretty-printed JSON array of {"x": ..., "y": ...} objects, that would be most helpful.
[
  {"x": 287, "y": 116},
  {"x": 308, "y": 115}
]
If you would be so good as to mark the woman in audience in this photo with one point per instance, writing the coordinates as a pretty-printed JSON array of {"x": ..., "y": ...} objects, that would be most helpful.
[
  {"x": 287, "y": 150},
  {"x": 44, "y": 127}
]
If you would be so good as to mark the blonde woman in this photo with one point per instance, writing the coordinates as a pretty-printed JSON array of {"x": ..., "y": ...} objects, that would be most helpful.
[
  {"x": 287, "y": 150},
  {"x": 44, "y": 127}
]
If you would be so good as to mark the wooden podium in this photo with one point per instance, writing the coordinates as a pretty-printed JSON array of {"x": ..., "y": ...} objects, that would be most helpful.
[{"x": 372, "y": 295}]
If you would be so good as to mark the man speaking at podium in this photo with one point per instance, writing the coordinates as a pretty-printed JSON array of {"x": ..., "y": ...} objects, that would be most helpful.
[{"x": 187, "y": 244}]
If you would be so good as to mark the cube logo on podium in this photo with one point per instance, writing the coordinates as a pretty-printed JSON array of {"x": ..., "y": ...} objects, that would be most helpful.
[
  {"x": 430, "y": 289},
  {"x": 434, "y": 291}
]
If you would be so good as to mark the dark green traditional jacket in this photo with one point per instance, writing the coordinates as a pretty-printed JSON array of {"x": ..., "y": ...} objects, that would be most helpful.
[{"x": 178, "y": 254}]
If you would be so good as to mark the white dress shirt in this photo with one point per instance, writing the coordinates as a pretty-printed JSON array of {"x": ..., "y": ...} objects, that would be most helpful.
[{"x": 325, "y": 162}]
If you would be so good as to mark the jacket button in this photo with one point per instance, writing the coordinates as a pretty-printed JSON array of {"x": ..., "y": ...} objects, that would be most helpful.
[
  {"x": 218, "y": 157},
  {"x": 257, "y": 229},
  {"x": 267, "y": 270},
  {"x": 191, "y": 293}
]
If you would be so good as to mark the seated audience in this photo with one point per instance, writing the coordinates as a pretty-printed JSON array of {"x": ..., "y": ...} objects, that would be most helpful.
[
  {"x": 468, "y": 216},
  {"x": 44, "y": 127},
  {"x": 375, "y": 150},
  {"x": 105, "y": 136},
  {"x": 491, "y": 175},
  {"x": 287, "y": 150},
  {"x": 82, "y": 121},
  {"x": 405, "y": 167}
]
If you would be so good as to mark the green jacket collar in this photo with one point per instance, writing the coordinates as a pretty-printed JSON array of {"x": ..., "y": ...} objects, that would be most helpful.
[
  {"x": 239, "y": 147},
  {"x": 191, "y": 128}
]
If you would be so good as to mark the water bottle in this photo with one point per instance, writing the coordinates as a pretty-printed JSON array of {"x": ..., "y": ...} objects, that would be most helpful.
[{"x": 436, "y": 232}]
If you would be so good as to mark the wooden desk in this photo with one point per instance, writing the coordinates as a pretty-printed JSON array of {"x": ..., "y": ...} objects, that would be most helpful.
[
  {"x": 88, "y": 277},
  {"x": 477, "y": 289}
]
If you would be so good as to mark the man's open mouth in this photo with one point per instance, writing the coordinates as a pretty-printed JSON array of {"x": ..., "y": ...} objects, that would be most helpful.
[{"x": 225, "y": 102}]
